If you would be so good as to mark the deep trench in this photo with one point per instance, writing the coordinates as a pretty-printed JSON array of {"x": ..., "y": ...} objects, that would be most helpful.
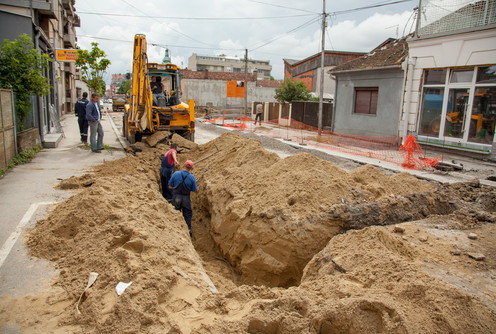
[{"x": 383, "y": 212}]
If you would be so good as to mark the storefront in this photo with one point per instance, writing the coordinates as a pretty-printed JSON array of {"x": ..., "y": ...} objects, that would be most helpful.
[{"x": 458, "y": 107}]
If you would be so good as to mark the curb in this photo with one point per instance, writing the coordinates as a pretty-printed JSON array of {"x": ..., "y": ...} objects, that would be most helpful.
[{"x": 123, "y": 141}]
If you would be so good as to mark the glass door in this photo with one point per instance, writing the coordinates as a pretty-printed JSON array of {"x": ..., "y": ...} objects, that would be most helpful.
[{"x": 456, "y": 112}]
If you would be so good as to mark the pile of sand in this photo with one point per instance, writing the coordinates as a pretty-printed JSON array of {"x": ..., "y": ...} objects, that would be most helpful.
[
  {"x": 269, "y": 216},
  {"x": 276, "y": 221},
  {"x": 367, "y": 281},
  {"x": 121, "y": 228}
]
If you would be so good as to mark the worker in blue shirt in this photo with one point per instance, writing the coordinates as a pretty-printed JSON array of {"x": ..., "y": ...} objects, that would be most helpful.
[{"x": 182, "y": 184}]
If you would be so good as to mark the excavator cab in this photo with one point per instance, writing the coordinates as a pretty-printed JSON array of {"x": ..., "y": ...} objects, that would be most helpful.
[{"x": 165, "y": 84}]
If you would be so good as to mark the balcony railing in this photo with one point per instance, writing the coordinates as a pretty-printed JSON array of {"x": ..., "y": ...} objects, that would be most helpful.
[
  {"x": 70, "y": 41},
  {"x": 447, "y": 17}
]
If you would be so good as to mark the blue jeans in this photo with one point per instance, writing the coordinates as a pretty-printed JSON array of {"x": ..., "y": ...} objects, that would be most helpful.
[
  {"x": 183, "y": 204},
  {"x": 165, "y": 175},
  {"x": 96, "y": 128}
]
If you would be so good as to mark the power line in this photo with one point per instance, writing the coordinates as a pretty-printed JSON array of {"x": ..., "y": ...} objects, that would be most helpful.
[
  {"x": 280, "y": 6},
  {"x": 197, "y": 18},
  {"x": 177, "y": 31},
  {"x": 162, "y": 45},
  {"x": 271, "y": 40},
  {"x": 367, "y": 7}
]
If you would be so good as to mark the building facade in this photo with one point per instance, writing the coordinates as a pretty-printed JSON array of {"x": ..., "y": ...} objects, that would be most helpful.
[
  {"x": 368, "y": 91},
  {"x": 223, "y": 63},
  {"x": 450, "y": 91},
  {"x": 51, "y": 24},
  {"x": 209, "y": 89},
  {"x": 308, "y": 69}
]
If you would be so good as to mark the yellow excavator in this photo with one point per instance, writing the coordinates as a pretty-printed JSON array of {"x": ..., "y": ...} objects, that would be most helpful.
[{"x": 155, "y": 103}]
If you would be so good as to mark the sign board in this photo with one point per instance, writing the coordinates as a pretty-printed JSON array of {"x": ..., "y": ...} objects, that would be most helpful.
[
  {"x": 235, "y": 89},
  {"x": 68, "y": 55}
]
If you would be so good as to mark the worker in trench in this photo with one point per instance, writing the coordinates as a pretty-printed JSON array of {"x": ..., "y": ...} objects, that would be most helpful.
[
  {"x": 182, "y": 184},
  {"x": 169, "y": 161}
]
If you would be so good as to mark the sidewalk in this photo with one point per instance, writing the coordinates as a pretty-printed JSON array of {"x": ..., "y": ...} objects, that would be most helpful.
[{"x": 27, "y": 191}]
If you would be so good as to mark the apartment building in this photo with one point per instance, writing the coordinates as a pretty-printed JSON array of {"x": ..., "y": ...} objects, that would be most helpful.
[
  {"x": 223, "y": 63},
  {"x": 51, "y": 24}
]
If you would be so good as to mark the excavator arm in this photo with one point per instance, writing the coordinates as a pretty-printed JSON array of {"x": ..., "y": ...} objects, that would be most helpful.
[{"x": 140, "y": 114}]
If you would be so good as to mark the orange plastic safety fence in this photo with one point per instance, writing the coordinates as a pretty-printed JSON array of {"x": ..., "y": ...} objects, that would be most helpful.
[{"x": 386, "y": 148}]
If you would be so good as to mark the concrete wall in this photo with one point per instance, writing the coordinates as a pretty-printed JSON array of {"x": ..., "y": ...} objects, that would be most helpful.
[
  {"x": 385, "y": 122},
  {"x": 213, "y": 93}
]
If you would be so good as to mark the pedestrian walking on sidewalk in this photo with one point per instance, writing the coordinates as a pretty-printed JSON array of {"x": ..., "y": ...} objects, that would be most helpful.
[
  {"x": 80, "y": 111},
  {"x": 169, "y": 161},
  {"x": 259, "y": 111},
  {"x": 94, "y": 116},
  {"x": 183, "y": 183}
]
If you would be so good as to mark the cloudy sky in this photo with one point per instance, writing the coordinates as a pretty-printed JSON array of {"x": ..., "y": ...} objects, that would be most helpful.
[{"x": 269, "y": 29}]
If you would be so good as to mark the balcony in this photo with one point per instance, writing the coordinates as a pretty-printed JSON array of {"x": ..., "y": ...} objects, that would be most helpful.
[
  {"x": 70, "y": 41},
  {"x": 68, "y": 7},
  {"x": 69, "y": 67},
  {"x": 76, "y": 21},
  {"x": 437, "y": 19}
]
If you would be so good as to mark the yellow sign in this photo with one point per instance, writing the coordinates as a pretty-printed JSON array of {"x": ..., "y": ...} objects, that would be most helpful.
[
  {"x": 235, "y": 89},
  {"x": 69, "y": 55}
]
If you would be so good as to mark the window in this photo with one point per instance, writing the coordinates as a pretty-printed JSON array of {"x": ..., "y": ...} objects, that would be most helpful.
[
  {"x": 366, "y": 100},
  {"x": 432, "y": 77},
  {"x": 458, "y": 76},
  {"x": 483, "y": 120},
  {"x": 458, "y": 109},
  {"x": 486, "y": 74},
  {"x": 432, "y": 108}
]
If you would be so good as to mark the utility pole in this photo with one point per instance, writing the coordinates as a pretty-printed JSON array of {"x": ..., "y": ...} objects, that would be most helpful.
[
  {"x": 322, "y": 69},
  {"x": 246, "y": 82}
]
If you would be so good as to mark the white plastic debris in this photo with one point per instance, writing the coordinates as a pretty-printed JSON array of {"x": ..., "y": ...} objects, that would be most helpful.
[
  {"x": 121, "y": 287},
  {"x": 91, "y": 279}
]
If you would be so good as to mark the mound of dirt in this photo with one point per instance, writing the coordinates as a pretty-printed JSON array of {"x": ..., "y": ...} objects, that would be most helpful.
[
  {"x": 367, "y": 281},
  {"x": 269, "y": 216},
  {"x": 182, "y": 142},
  {"x": 76, "y": 182},
  {"x": 123, "y": 229},
  {"x": 278, "y": 222}
]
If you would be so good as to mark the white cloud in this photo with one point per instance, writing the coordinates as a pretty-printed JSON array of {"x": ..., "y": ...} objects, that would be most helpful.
[{"x": 360, "y": 31}]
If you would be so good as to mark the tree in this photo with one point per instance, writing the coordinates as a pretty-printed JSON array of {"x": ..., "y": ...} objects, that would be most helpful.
[
  {"x": 21, "y": 69},
  {"x": 124, "y": 87},
  {"x": 291, "y": 91},
  {"x": 93, "y": 65}
]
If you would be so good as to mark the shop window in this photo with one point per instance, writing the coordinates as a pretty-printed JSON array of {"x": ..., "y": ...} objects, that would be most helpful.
[
  {"x": 433, "y": 77},
  {"x": 456, "y": 112},
  {"x": 366, "y": 100},
  {"x": 483, "y": 119},
  {"x": 486, "y": 74},
  {"x": 432, "y": 107},
  {"x": 459, "y": 76}
]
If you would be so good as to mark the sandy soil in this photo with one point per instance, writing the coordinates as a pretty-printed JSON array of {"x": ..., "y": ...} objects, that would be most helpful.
[{"x": 294, "y": 245}]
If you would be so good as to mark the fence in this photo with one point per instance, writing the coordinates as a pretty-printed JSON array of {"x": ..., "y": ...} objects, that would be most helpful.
[
  {"x": 297, "y": 122},
  {"x": 8, "y": 145},
  {"x": 438, "y": 17}
]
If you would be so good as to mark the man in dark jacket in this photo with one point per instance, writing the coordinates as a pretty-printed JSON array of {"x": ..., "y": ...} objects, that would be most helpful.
[
  {"x": 80, "y": 111},
  {"x": 94, "y": 116},
  {"x": 182, "y": 184}
]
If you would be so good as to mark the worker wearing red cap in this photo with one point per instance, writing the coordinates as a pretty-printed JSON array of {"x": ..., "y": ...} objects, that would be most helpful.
[{"x": 182, "y": 184}]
